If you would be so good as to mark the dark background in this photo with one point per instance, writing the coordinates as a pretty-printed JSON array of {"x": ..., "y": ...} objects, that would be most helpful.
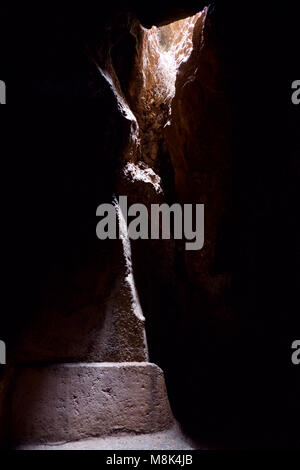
[{"x": 50, "y": 136}]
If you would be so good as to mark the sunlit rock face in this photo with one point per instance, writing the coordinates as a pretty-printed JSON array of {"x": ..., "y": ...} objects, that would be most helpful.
[
  {"x": 134, "y": 74},
  {"x": 177, "y": 94},
  {"x": 155, "y": 136},
  {"x": 160, "y": 52},
  {"x": 159, "y": 132},
  {"x": 198, "y": 139}
]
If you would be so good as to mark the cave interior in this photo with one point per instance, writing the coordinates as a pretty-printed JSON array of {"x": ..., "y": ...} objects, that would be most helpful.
[{"x": 193, "y": 95}]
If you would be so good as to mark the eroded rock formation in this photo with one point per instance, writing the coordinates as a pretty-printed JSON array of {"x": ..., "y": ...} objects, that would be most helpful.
[
  {"x": 199, "y": 143},
  {"x": 157, "y": 150},
  {"x": 159, "y": 129},
  {"x": 93, "y": 312}
]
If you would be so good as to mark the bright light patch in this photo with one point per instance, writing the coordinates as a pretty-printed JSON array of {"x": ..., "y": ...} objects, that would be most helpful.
[{"x": 171, "y": 45}]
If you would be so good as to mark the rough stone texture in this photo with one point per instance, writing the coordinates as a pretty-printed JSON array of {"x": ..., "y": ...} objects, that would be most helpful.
[
  {"x": 90, "y": 301},
  {"x": 90, "y": 315},
  {"x": 74, "y": 401},
  {"x": 72, "y": 291},
  {"x": 159, "y": 53},
  {"x": 85, "y": 308},
  {"x": 177, "y": 92},
  {"x": 199, "y": 142}
]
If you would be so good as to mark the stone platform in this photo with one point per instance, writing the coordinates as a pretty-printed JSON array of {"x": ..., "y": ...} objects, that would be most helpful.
[{"x": 67, "y": 402}]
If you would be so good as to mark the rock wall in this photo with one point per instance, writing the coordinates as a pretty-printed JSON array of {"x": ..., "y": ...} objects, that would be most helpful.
[
  {"x": 186, "y": 138},
  {"x": 92, "y": 298},
  {"x": 199, "y": 143},
  {"x": 157, "y": 129}
]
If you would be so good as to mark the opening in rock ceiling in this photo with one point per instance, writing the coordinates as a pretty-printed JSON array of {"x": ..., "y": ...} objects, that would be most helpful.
[
  {"x": 171, "y": 45},
  {"x": 161, "y": 52}
]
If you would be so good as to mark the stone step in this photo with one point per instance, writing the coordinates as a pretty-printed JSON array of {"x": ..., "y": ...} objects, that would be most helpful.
[
  {"x": 171, "y": 439},
  {"x": 67, "y": 402}
]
